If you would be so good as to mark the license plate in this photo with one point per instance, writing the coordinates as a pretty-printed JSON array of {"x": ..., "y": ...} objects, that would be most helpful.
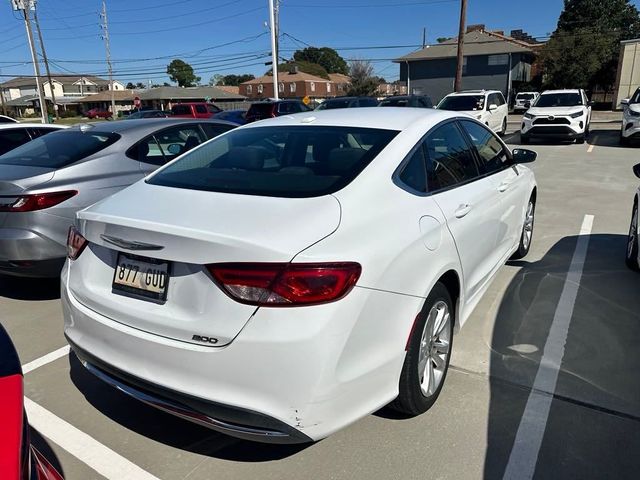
[{"x": 139, "y": 277}]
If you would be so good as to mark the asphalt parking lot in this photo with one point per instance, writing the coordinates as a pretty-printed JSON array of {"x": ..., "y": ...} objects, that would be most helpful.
[{"x": 502, "y": 412}]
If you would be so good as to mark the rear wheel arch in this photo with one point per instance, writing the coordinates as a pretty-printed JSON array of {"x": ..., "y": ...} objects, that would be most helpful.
[{"x": 451, "y": 281}]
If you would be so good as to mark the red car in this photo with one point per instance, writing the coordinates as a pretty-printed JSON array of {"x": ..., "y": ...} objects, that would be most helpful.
[
  {"x": 194, "y": 110},
  {"x": 19, "y": 459},
  {"x": 98, "y": 113}
]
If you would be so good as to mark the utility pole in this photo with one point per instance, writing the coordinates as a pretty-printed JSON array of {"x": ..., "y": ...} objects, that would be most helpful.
[
  {"x": 105, "y": 27},
  {"x": 463, "y": 15},
  {"x": 46, "y": 62},
  {"x": 25, "y": 6},
  {"x": 424, "y": 37},
  {"x": 4, "y": 108},
  {"x": 274, "y": 49}
]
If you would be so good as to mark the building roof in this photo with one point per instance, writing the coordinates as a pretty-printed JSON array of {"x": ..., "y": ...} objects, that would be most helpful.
[
  {"x": 26, "y": 101},
  {"x": 233, "y": 89},
  {"x": 339, "y": 78},
  {"x": 189, "y": 93},
  {"x": 477, "y": 42},
  {"x": 63, "y": 79},
  {"x": 287, "y": 77},
  {"x": 118, "y": 95}
]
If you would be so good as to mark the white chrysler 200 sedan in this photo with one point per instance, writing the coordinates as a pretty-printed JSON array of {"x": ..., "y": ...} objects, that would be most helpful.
[{"x": 289, "y": 277}]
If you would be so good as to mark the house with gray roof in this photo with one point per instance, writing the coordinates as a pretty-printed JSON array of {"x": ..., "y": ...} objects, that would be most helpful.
[{"x": 492, "y": 61}]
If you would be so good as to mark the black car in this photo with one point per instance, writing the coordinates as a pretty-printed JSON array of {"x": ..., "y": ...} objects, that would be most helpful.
[
  {"x": 274, "y": 108},
  {"x": 348, "y": 102},
  {"x": 416, "y": 101}
]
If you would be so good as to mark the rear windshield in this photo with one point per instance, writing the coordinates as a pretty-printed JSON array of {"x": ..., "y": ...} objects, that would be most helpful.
[
  {"x": 282, "y": 161},
  {"x": 261, "y": 108},
  {"x": 331, "y": 104},
  {"x": 58, "y": 149},
  {"x": 462, "y": 103},
  {"x": 559, "y": 100},
  {"x": 636, "y": 97},
  {"x": 525, "y": 96},
  {"x": 394, "y": 102}
]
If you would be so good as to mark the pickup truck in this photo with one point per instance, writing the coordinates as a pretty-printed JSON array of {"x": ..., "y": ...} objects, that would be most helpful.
[{"x": 194, "y": 110}]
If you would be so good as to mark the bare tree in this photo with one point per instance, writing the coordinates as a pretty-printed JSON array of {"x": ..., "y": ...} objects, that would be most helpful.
[{"x": 363, "y": 83}]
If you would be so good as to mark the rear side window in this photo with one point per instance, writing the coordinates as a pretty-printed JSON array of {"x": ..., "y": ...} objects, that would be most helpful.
[
  {"x": 39, "y": 131},
  {"x": 283, "y": 161},
  {"x": 181, "y": 110},
  {"x": 491, "y": 152},
  {"x": 260, "y": 110},
  {"x": 10, "y": 139},
  {"x": 414, "y": 173},
  {"x": 58, "y": 149},
  {"x": 212, "y": 108},
  {"x": 201, "y": 109},
  {"x": 450, "y": 161},
  {"x": 212, "y": 130}
]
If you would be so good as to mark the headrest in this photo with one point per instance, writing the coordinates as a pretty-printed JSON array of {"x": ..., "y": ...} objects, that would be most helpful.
[
  {"x": 192, "y": 141},
  {"x": 344, "y": 159},
  {"x": 245, "y": 158}
]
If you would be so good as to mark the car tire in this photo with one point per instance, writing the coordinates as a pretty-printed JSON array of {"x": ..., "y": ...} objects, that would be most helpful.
[
  {"x": 527, "y": 231},
  {"x": 632, "y": 241},
  {"x": 624, "y": 141},
  {"x": 524, "y": 139},
  {"x": 428, "y": 354},
  {"x": 504, "y": 127},
  {"x": 580, "y": 139}
]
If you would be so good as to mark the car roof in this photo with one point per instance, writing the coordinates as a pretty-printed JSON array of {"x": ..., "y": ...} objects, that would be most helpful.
[
  {"x": 564, "y": 90},
  {"x": 387, "y": 118},
  {"x": 143, "y": 125},
  {"x": 472, "y": 92},
  {"x": 8, "y": 126}
]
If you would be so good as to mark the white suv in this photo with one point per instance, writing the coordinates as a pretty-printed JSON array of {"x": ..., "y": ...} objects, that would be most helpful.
[
  {"x": 562, "y": 114},
  {"x": 524, "y": 100},
  {"x": 630, "y": 119},
  {"x": 486, "y": 106}
]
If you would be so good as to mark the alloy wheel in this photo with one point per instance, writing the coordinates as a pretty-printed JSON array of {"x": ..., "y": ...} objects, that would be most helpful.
[
  {"x": 435, "y": 346},
  {"x": 527, "y": 232},
  {"x": 633, "y": 234}
]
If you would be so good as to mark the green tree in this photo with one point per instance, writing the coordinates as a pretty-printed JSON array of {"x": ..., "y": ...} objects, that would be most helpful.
[
  {"x": 363, "y": 83},
  {"x": 583, "y": 51},
  {"x": 235, "y": 80},
  {"x": 216, "y": 80},
  {"x": 326, "y": 57},
  {"x": 130, "y": 86},
  {"x": 140, "y": 85},
  {"x": 306, "y": 67},
  {"x": 181, "y": 72}
]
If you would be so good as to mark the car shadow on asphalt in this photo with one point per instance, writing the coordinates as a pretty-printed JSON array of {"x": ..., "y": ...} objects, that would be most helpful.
[
  {"x": 168, "y": 429},
  {"x": 42, "y": 445},
  {"x": 611, "y": 138},
  {"x": 31, "y": 289},
  {"x": 594, "y": 419}
]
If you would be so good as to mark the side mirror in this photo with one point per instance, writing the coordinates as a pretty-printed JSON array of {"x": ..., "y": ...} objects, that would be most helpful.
[
  {"x": 624, "y": 101},
  {"x": 636, "y": 170},
  {"x": 591, "y": 103},
  {"x": 527, "y": 104},
  {"x": 493, "y": 107},
  {"x": 174, "y": 149},
  {"x": 523, "y": 155}
]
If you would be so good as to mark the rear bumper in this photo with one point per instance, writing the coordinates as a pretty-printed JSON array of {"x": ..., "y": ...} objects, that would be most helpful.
[
  {"x": 25, "y": 253},
  {"x": 631, "y": 129},
  {"x": 241, "y": 423}
]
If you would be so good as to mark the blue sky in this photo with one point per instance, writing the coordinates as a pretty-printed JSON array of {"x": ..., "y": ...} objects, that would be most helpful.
[{"x": 229, "y": 36}]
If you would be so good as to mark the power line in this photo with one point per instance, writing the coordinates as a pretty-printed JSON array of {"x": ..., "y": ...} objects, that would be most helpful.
[{"x": 369, "y": 5}]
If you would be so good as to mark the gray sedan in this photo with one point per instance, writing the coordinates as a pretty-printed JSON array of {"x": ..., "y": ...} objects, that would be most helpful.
[{"x": 46, "y": 181}]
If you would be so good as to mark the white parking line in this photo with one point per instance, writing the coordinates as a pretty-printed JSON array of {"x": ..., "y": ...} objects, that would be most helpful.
[
  {"x": 526, "y": 446},
  {"x": 48, "y": 358},
  {"x": 592, "y": 145},
  {"x": 102, "y": 459}
]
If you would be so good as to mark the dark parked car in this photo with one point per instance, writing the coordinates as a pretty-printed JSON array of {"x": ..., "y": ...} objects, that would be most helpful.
[
  {"x": 12, "y": 135},
  {"x": 148, "y": 114},
  {"x": 194, "y": 110},
  {"x": 235, "y": 116},
  {"x": 416, "y": 101},
  {"x": 98, "y": 113},
  {"x": 46, "y": 181},
  {"x": 274, "y": 108},
  {"x": 348, "y": 102},
  {"x": 5, "y": 119},
  {"x": 19, "y": 459}
]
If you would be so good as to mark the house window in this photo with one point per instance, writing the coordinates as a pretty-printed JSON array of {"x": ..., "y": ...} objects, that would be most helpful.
[
  {"x": 249, "y": 89},
  {"x": 328, "y": 87},
  {"x": 313, "y": 86},
  {"x": 464, "y": 65},
  {"x": 292, "y": 87},
  {"x": 340, "y": 87},
  {"x": 281, "y": 87},
  {"x": 260, "y": 88},
  {"x": 498, "y": 59}
]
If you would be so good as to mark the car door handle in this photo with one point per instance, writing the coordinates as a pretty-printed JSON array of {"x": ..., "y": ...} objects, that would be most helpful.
[
  {"x": 504, "y": 186},
  {"x": 462, "y": 210}
]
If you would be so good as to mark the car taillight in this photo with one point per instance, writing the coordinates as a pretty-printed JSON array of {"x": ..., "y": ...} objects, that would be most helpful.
[
  {"x": 285, "y": 284},
  {"x": 35, "y": 201},
  {"x": 75, "y": 243}
]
